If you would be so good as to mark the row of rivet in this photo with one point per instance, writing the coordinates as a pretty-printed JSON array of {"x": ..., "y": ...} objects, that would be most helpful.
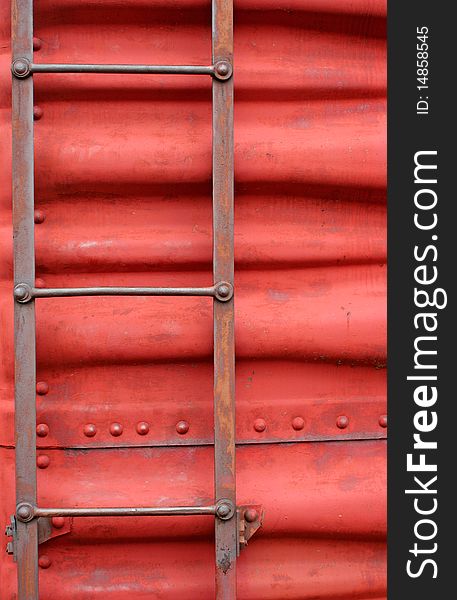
[
  {"x": 182, "y": 427},
  {"x": 115, "y": 429},
  {"x": 298, "y": 423}
]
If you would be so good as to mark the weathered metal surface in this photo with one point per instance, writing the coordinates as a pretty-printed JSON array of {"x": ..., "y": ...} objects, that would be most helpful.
[
  {"x": 224, "y": 313},
  {"x": 323, "y": 528},
  {"x": 123, "y": 200}
]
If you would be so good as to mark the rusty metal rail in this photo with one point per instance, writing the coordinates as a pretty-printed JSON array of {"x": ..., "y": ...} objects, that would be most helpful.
[
  {"x": 23, "y": 293},
  {"x": 26, "y": 512},
  {"x": 224, "y": 508},
  {"x": 23, "y": 68}
]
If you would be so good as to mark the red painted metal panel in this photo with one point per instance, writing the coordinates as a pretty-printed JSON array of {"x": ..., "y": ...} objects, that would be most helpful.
[{"x": 123, "y": 190}]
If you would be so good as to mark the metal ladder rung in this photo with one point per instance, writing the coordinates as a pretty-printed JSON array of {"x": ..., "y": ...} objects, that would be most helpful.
[
  {"x": 224, "y": 509},
  {"x": 23, "y": 293},
  {"x": 23, "y": 68}
]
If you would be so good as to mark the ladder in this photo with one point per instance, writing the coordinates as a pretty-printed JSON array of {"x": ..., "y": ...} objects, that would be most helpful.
[{"x": 232, "y": 529}]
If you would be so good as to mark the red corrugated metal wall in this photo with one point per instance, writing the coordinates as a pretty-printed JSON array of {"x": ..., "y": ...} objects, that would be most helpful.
[{"x": 123, "y": 182}]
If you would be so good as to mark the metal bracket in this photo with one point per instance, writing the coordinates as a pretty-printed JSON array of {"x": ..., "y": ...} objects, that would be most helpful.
[
  {"x": 47, "y": 529},
  {"x": 250, "y": 519}
]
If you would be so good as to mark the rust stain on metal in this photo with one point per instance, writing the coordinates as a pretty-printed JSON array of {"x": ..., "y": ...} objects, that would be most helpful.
[{"x": 225, "y": 562}]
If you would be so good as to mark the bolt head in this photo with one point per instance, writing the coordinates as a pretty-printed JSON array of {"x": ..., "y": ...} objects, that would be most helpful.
[
  {"x": 223, "y": 69},
  {"x": 342, "y": 422},
  {"x": 24, "y": 512},
  {"x": 43, "y": 461},
  {"x": 37, "y": 44},
  {"x": 116, "y": 429},
  {"x": 260, "y": 425},
  {"x": 251, "y": 515},
  {"x": 182, "y": 427},
  {"x": 298, "y": 423},
  {"x": 44, "y": 561},
  {"x": 223, "y": 510},
  {"x": 142, "y": 428},
  {"x": 42, "y": 430},
  {"x": 42, "y": 388},
  {"x": 58, "y": 522},
  {"x": 21, "y": 292},
  {"x": 223, "y": 290},
  {"x": 89, "y": 430},
  {"x": 21, "y": 67},
  {"x": 383, "y": 421}
]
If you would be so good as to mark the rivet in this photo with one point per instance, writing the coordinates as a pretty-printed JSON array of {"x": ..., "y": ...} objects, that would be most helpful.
[
  {"x": 260, "y": 425},
  {"x": 37, "y": 113},
  {"x": 58, "y": 522},
  {"x": 43, "y": 461},
  {"x": 182, "y": 427},
  {"x": 383, "y": 421},
  {"x": 42, "y": 388},
  {"x": 44, "y": 561},
  {"x": 298, "y": 423},
  {"x": 39, "y": 216},
  {"x": 90, "y": 430},
  {"x": 142, "y": 428},
  {"x": 22, "y": 292},
  {"x": 37, "y": 44},
  {"x": 342, "y": 422},
  {"x": 116, "y": 429},
  {"x": 251, "y": 515},
  {"x": 40, "y": 283},
  {"x": 42, "y": 430},
  {"x": 223, "y": 69},
  {"x": 21, "y": 68},
  {"x": 225, "y": 509},
  {"x": 24, "y": 512},
  {"x": 224, "y": 291}
]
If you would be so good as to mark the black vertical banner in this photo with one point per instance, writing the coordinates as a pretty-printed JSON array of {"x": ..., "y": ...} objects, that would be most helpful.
[{"x": 422, "y": 356}]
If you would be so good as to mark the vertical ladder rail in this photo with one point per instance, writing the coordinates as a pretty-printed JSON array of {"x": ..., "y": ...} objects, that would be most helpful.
[
  {"x": 223, "y": 269},
  {"x": 225, "y": 508},
  {"x": 24, "y": 314}
]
